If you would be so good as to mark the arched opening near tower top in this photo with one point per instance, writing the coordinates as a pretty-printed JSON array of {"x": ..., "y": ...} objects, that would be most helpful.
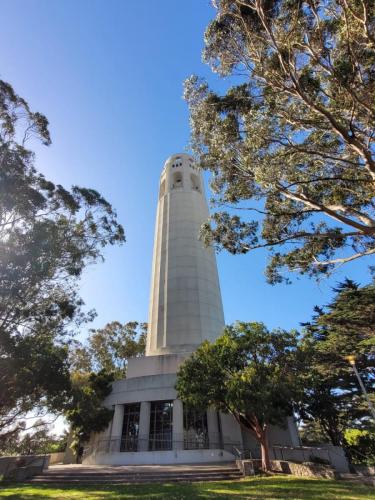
[{"x": 177, "y": 180}]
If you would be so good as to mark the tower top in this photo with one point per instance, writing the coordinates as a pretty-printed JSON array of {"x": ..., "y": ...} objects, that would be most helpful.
[
  {"x": 178, "y": 160},
  {"x": 180, "y": 174}
]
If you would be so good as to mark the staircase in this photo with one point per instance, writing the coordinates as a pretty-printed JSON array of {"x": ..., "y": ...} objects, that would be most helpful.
[{"x": 128, "y": 474}]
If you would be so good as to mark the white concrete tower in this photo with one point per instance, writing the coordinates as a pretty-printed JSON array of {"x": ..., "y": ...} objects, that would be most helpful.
[{"x": 185, "y": 302}]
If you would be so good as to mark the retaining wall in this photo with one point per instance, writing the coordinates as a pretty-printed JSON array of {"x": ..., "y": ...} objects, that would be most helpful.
[{"x": 22, "y": 467}]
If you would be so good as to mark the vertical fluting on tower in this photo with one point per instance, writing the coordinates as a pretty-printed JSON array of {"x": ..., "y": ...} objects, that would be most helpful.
[{"x": 185, "y": 302}]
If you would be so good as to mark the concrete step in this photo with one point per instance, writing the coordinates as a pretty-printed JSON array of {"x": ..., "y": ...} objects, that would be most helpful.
[
  {"x": 123, "y": 474},
  {"x": 131, "y": 474},
  {"x": 137, "y": 480},
  {"x": 134, "y": 474}
]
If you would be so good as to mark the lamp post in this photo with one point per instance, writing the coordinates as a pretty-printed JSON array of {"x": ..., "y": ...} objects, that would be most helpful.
[{"x": 351, "y": 360}]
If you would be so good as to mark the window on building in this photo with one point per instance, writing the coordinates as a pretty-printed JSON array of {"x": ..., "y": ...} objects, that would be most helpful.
[
  {"x": 177, "y": 179},
  {"x": 130, "y": 428},
  {"x": 161, "y": 425},
  {"x": 195, "y": 184},
  {"x": 195, "y": 429}
]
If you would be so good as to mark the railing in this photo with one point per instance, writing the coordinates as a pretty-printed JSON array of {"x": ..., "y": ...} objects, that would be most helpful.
[
  {"x": 300, "y": 453},
  {"x": 246, "y": 453},
  {"x": 155, "y": 443}
]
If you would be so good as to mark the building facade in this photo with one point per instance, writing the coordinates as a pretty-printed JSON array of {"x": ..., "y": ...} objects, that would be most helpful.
[{"x": 150, "y": 425}]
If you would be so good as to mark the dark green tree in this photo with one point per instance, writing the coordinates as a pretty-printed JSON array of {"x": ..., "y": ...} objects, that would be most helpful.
[
  {"x": 85, "y": 411},
  {"x": 346, "y": 326},
  {"x": 291, "y": 144},
  {"x": 249, "y": 372},
  {"x": 311, "y": 434},
  {"x": 361, "y": 444},
  {"x": 48, "y": 235},
  {"x": 109, "y": 348}
]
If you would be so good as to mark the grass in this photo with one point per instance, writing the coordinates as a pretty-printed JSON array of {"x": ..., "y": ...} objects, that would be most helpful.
[{"x": 273, "y": 487}]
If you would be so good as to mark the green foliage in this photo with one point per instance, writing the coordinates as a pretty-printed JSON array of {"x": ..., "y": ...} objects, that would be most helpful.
[
  {"x": 361, "y": 444},
  {"x": 333, "y": 399},
  {"x": 35, "y": 441},
  {"x": 249, "y": 372},
  {"x": 291, "y": 144},
  {"x": 48, "y": 235},
  {"x": 311, "y": 433},
  {"x": 109, "y": 348},
  {"x": 85, "y": 411}
]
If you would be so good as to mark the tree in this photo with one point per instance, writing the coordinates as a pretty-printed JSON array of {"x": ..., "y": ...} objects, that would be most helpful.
[
  {"x": 347, "y": 324},
  {"x": 248, "y": 372},
  {"x": 362, "y": 445},
  {"x": 94, "y": 365},
  {"x": 109, "y": 348},
  {"x": 291, "y": 145},
  {"x": 35, "y": 441},
  {"x": 311, "y": 434},
  {"x": 34, "y": 372},
  {"x": 48, "y": 235},
  {"x": 85, "y": 411},
  {"x": 333, "y": 398}
]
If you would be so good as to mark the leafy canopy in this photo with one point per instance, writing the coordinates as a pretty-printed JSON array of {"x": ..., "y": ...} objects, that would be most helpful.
[
  {"x": 36, "y": 440},
  {"x": 85, "y": 411},
  {"x": 333, "y": 398},
  {"x": 109, "y": 348},
  {"x": 48, "y": 235},
  {"x": 249, "y": 372},
  {"x": 291, "y": 144}
]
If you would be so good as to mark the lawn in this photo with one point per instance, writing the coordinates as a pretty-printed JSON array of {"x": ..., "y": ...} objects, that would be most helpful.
[{"x": 274, "y": 487}]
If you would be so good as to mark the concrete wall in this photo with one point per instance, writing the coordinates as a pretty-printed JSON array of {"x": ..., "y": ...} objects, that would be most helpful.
[
  {"x": 148, "y": 388},
  {"x": 333, "y": 454},
  {"x": 185, "y": 303},
  {"x": 22, "y": 467},
  {"x": 277, "y": 436},
  {"x": 56, "y": 458},
  {"x": 251, "y": 467},
  {"x": 154, "y": 365},
  {"x": 231, "y": 432},
  {"x": 286, "y": 435},
  {"x": 159, "y": 457},
  {"x": 69, "y": 456}
]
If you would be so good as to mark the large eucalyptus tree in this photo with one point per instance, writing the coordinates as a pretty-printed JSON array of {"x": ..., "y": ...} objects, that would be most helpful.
[{"x": 291, "y": 143}]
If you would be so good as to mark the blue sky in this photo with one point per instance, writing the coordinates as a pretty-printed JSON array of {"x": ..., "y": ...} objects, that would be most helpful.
[{"x": 108, "y": 75}]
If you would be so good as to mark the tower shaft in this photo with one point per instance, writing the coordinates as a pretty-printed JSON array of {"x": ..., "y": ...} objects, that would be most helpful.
[{"x": 185, "y": 303}]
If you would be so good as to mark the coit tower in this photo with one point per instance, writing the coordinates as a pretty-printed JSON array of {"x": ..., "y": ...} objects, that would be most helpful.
[{"x": 185, "y": 303}]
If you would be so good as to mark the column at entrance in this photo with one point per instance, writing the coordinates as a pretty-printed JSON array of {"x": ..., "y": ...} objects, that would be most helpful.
[
  {"x": 178, "y": 425},
  {"x": 214, "y": 440},
  {"x": 117, "y": 423},
  {"x": 144, "y": 426}
]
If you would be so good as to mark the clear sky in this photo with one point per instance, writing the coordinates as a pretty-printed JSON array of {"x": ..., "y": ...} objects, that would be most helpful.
[{"x": 108, "y": 75}]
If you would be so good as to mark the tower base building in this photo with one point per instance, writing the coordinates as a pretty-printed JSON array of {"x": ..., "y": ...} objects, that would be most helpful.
[{"x": 150, "y": 425}]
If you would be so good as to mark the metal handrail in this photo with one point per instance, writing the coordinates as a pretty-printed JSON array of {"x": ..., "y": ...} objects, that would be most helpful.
[
  {"x": 303, "y": 449},
  {"x": 134, "y": 444}
]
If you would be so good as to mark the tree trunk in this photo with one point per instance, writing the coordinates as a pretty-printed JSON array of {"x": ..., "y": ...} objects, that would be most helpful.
[
  {"x": 266, "y": 463},
  {"x": 251, "y": 423}
]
